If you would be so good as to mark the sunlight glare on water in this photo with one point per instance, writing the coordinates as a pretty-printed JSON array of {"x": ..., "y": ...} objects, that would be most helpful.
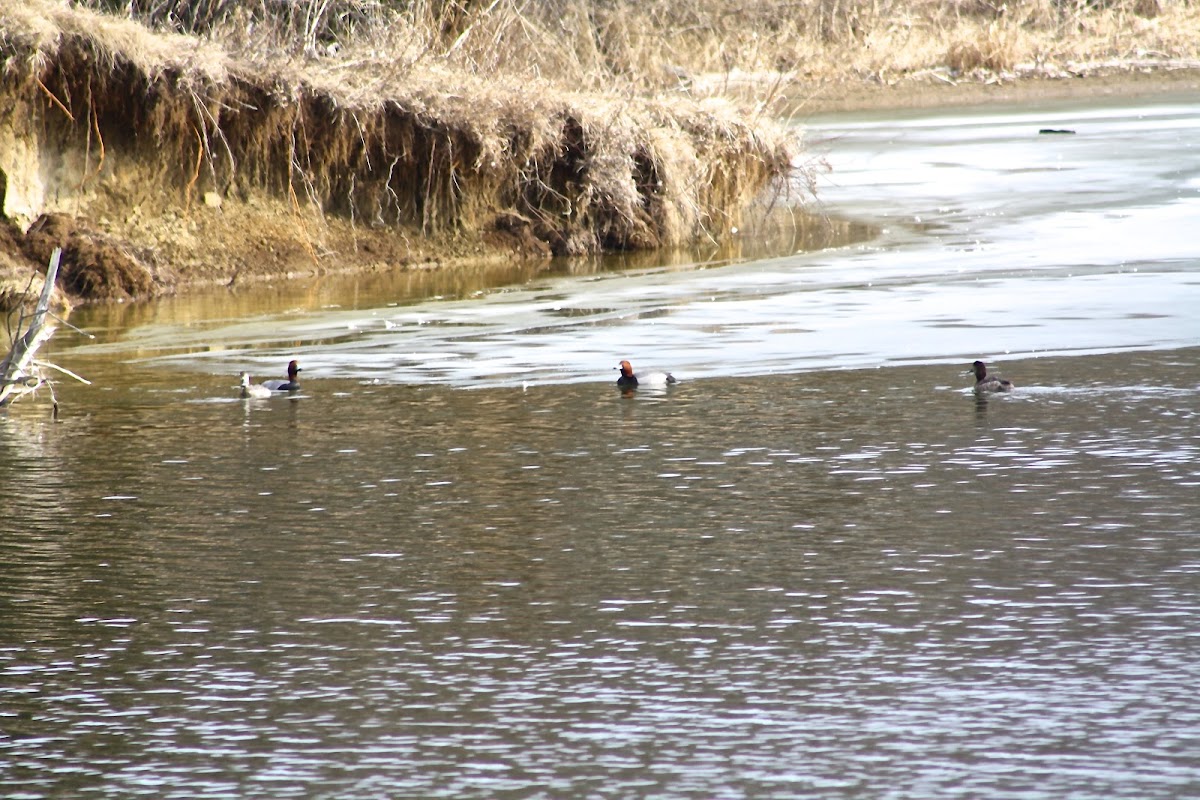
[{"x": 997, "y": 240}]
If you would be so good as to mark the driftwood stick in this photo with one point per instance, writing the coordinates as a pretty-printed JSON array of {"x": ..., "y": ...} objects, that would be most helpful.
[
  {"x": 15, "y": 377},
  {"x": 80, "y": 331},
  {"x": 64, "y": 371}
]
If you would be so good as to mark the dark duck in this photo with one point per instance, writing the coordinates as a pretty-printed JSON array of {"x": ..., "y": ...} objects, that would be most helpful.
[
  {"x": 290, "y": 385},
  {"x": 989, "y": 383}
]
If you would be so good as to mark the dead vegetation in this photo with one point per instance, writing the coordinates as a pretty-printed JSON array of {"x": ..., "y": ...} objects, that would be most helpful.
[
  {"x": 31, "y": 316},
  {"x": 213, "y": 141},
  {"x": 665, "y": 44},
  {"x": 128, "y": 124},
  {"x": 811, "y": 45}
]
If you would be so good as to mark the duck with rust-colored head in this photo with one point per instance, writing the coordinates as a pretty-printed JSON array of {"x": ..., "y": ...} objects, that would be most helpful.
[
  {"x": 629, "y": 380},
  {"x": 989, "y": 383},
  {"x": 290, "y": 385}
]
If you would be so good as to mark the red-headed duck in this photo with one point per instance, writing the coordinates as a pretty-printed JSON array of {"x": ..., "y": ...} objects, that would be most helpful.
[
  {"x": 630, "y": 381},
  {"x": 290, "y": 385}
]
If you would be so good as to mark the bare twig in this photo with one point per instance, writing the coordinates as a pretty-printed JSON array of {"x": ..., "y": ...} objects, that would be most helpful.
[
  {"x": 64, "y": 371},
  {"x": 16, "y": 377}
]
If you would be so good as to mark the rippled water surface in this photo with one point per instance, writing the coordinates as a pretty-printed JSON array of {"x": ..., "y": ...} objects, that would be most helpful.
[{"x": 460, "y": 563}]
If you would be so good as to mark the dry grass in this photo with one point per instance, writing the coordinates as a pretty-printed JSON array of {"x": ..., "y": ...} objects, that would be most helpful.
[
  {"x": 656, "y": 45},
  {"x": 775, "y": 53},
  {"x": 705, "y": 45},
  {"x": 416, "y": 142}
]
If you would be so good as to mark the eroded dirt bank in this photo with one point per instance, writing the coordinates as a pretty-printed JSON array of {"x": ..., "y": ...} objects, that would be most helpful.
[{"x": 161, "y": 162}]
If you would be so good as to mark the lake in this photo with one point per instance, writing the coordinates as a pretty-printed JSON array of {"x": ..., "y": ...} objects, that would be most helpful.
[{"x": 461, "y": 563}]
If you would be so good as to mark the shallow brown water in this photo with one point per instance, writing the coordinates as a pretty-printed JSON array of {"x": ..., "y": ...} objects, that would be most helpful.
[{"x": 461, "y": 564}]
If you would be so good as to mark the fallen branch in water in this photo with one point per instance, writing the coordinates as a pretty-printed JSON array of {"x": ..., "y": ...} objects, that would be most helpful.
[{"x": 20, "y": 372}]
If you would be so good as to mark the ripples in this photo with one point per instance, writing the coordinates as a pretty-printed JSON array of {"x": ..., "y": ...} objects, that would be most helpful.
[
  {"x": 822, "y": 582},
  {"x": 562, "y": 591}
]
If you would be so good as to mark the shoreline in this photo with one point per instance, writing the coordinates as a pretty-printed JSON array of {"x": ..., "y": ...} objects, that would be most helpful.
[
  {"x": 363, "y": 251},
  {"x": 931, "y": 91}
]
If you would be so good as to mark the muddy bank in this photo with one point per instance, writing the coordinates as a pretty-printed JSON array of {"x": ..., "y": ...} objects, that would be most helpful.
[{"x": 933, "y": 90}]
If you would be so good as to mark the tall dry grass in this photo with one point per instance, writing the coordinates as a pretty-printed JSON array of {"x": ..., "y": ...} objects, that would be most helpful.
[{"x": 668, "y": 44}]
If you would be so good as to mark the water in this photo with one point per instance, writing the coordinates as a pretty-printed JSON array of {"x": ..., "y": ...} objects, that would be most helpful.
[
  {"x": 462, "y": 564},
  {"x": 997, "y": 240}
]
